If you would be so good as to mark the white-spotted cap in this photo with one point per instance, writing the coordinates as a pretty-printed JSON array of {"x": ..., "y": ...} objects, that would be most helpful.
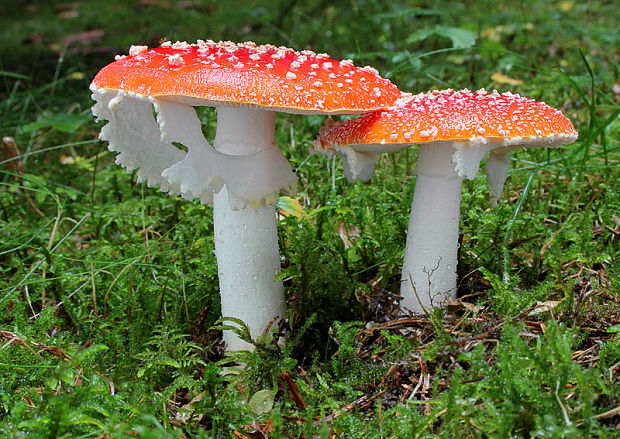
[
  {"x": 458, "y": 116},
  {"x": 246, "y": 74}
]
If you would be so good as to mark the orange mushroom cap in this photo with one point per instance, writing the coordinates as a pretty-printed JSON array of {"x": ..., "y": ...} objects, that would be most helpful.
[
  {"x": 226, "y": 73},
  {"x": 454, "y": 115}
]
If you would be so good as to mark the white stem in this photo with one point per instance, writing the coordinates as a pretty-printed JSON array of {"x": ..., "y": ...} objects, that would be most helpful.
[
  {"x": 432, "y": 237},
  {"x": 246, "y": 240}
]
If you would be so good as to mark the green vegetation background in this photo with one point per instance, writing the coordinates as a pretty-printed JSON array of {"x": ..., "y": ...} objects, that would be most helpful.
[{"x": 108, "y": 289}]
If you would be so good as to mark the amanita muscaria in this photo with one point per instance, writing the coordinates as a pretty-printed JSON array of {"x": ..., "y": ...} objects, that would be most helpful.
[
  {"x": 248, "y": 84},
  {"x": 455, "y": 130}
]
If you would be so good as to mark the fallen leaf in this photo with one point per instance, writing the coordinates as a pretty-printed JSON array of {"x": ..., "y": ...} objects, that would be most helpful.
[
  {"x": 544, "y": 307},
  {"x": 458, "y": 303},
  {"x": 472, "y": 308},
  {"x": 66, "y": 159},
  {"x": 262, "y": 401},
  {"x": 69, "y": 14},
  {"x": 500, "y": 78},
  {"x": 347, "y": 234},
  {"x": 258, "y": 431},
  {"x": 566, "y": 6},
  {"x": 76, "y": 75},
  {"x": 493, "y": 33},
  {"x": 288, "y": 206}
]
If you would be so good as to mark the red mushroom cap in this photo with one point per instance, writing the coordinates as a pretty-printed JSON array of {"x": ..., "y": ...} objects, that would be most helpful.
[
  {"x": 225, "y": 73},
  {"x": 455, "y": 115}
]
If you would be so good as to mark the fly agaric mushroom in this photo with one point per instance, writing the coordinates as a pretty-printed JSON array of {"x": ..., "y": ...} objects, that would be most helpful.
[
  {"x": 248, "y": 84},
  {"x": 455, "y": 130}
]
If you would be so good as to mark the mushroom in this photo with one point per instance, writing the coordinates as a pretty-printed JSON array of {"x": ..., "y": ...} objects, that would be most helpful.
[
  {"x": 455, "y": 130},
  {"x": 244, "y": 171}
]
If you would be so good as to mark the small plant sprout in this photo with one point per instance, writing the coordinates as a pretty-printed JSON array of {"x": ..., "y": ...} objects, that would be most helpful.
[
  {"x": 455, "y": 130},
  {"x": 245, "y": 170}
]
